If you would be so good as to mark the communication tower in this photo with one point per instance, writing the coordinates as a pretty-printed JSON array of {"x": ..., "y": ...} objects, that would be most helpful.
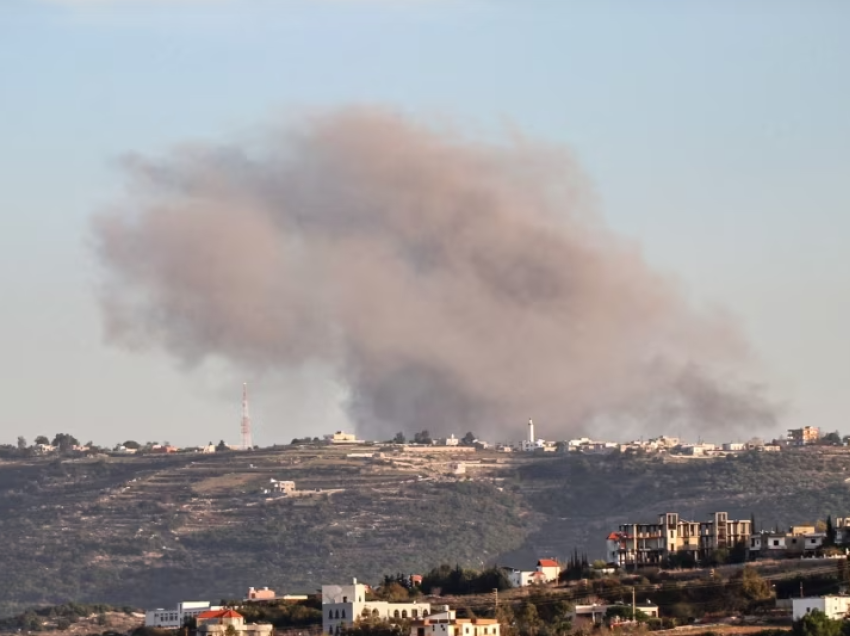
[{"x": 246, "y": 420}]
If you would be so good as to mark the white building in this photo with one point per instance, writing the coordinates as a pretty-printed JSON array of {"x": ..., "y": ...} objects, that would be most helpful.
[
  {"x": 219, "y": 622},
  {"x": 344, "y": 605},
  {"x": 835, "y": 607},
  {"x": 446, "y": 623},
  {"x": 342, "y": 438},
  {"x": 548, "y": 570},
  {"x": 284, "y": 487},
  {"x": 451, "y": 441},
  {"x": 174, "y": 619},
  {"x": 597, "y": 613}
]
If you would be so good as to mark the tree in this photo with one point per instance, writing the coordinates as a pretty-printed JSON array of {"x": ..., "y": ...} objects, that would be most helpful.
[
  {"x": 831, "y": 439},
  {"x": 22, "y": 443},
  {"x": 422, "y": 437},
  {"x": 830, "y": 532},
  {"x": 738, "y": 553},
  {"x": 132, "y": 444},
  {"x": 41, "y": 439},
  {"x": 468, "y": 439},
  {"x": 816, "y": 623},
  {"x": 221, "y": 446},
  {"x": 527, "y": 619},
  {"x": 399, "y": 438},
  {"x": 64, "y": 441}
]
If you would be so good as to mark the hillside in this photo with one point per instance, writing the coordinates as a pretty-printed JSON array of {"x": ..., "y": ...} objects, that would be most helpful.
[
  {"x": 153, "y": 530},
  {"x": 149, "y": 531},
  {"x": 586, "y": 497}
]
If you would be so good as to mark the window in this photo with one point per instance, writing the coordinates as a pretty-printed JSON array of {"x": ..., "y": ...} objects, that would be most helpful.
[
  {"x": 404, "y": 613},
  {"x": 415, "y": 613},
  {"x": 776, "y": 542},
  {"x": 336, "y": 614},
  {"x": 330, "y": 613},
  {"x": 395, "y": 614},
  {"x": 343, "y": 614}
]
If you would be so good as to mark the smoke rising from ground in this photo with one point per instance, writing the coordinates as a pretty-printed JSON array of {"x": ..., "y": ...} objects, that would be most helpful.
[{"x": 451, "y": 284}]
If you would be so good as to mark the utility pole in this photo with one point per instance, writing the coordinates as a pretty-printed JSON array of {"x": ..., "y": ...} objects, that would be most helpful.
[{"x": 633, "y": 603}]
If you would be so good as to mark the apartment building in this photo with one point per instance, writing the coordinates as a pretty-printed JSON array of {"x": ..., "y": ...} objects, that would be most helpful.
[
  {"x": 344, "y": 605},
  {"x": 446, "y": 623},
  {"x": 803, "y": 436},
  {"x": 650, "y": 543}
]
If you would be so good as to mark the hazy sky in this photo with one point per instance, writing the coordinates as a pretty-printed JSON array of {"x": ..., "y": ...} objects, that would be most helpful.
[{"x": 716, "y": 135}]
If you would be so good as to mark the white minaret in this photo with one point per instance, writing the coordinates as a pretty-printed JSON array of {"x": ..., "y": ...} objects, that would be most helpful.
[{"x": 531, "y": 431}]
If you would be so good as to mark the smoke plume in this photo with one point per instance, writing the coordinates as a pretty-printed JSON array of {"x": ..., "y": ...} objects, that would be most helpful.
[{"x": 452, "y": 284}]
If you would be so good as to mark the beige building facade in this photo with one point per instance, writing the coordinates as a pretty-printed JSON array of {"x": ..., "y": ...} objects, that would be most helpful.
[{"x": 651, "y": 543}]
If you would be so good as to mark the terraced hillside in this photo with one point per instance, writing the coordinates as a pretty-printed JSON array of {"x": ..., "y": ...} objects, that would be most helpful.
[
  {"x": 153, "y": 530},
  {"x": 584, "y": 498},
  {"x": 149, "y": 531}
]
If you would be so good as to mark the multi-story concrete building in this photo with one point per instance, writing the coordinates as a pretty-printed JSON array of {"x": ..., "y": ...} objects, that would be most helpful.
[
  {"x": 651, "y": 543},
  {"x": 446, "y": 623},
  {"x": 344, "y": 605},
  {"x": 803, "y": 436}
]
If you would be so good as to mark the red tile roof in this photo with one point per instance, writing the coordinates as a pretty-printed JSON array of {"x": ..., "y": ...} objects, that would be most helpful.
[
  {"x": 548, "y": 563},
  {"x": 614, "y": 536},
  {"x": 220, "y": 614}
]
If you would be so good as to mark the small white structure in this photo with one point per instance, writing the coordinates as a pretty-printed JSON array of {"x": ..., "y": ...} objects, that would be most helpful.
[
  {"x": 174, "y": 619},
  {"x": 833, "y": 605},
  {"x": 451, "y": 441},
  {"x": 283, "y": 487},
  {"x": 342, "y": 438},
  {"x": 597, "y": 613}
]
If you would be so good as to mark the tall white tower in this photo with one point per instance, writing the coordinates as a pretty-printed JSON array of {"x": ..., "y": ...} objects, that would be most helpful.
[
  {"x": 531, "y": 432},
  {"x": 247, "y": 443}
]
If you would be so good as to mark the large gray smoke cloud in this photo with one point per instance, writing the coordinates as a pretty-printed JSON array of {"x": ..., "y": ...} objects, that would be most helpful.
[{"x": 451, "y": 284}]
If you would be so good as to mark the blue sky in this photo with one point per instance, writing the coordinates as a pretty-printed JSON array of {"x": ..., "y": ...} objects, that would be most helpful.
[{"x": 716, "y": 134}]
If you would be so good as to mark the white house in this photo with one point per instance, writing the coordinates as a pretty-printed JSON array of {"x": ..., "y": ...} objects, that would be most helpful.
[
  {"x": 344, "y": 605},
  {"x": 834, "y": 606},
  {"x": 174, "y": 619},
  {"x": 550, "y": 569},
  {"x": 446, "y": 623},
  {"x": 219, "y": 622}
]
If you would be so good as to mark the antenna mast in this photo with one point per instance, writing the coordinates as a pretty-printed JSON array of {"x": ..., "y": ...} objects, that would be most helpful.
[{"x": 246, "y": 420}]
